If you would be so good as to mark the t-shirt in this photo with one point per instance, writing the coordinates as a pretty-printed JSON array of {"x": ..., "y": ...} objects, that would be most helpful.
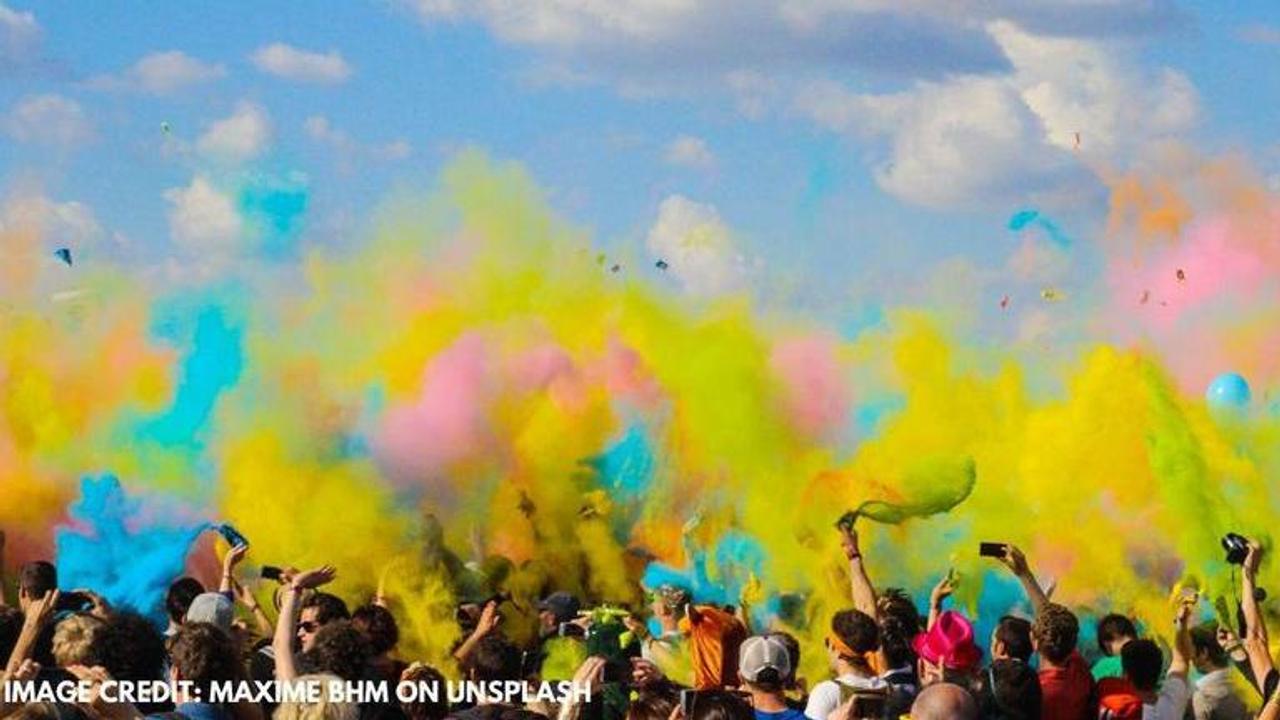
[
  {"x": 714, "y": 639},
  {"x": 1215, "y": 698},
  {"x": 1109, "y": 666},
  {"x": 1172, "y": 701},
  {"x": 1066, "y": 690},
  {"x": 826, "y": 697},
  {"x": 787, "y": 714}
]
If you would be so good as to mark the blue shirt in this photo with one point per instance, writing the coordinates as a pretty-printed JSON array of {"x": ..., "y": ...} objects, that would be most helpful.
[{"x": 788, "y": 714}]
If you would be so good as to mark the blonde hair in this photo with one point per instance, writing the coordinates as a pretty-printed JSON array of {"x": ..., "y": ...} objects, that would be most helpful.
[
  {"x": 323, "y": 710},
  {"x": 73, "y": 639}
]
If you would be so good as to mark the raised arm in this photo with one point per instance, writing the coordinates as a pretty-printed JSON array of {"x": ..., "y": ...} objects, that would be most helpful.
[
  {"x": 287, "y": 623},
  {"x": 1017, "y": 563},
  {"x": 244, "y": 595},
  {"x": 864, "y": 593},
  {"x": 39, "y": 613},
  {"x": 489, "y": 619},
  {"x": 4, "y": 597},
  {"x": 1255, "y": 640},
  {"x": 1180, "y": 664},
  {"x": 229, "y": 562},
  {"x": 940, "y": 593}
]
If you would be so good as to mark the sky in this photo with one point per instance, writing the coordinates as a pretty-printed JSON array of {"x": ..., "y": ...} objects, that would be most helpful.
[{"x": 836, "y": 144}]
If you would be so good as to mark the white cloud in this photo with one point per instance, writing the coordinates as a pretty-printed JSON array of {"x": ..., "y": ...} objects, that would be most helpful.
[
  {"x": 689, "y": 151},
  {"x": 294, "y": 63},
  {"x": 348, "y": 149},
  {"x": 161, "y": 73},
  {"x": 203, "y": 218},
  {"x": 57, "y": 223},
  {"x": 1006, "y": 137},
  {"x": 49, "y": 119},
  {"x": 19, "y": 36},
  {"x": 697, "y": 247},
  {"x": 241, "y": 136}
]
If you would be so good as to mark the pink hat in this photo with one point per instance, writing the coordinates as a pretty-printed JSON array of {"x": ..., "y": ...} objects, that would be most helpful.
[{"x": 949, "y": 643}]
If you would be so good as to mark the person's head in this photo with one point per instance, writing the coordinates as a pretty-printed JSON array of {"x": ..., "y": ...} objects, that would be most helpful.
[
  {"x": 944, "y": 701},
  {"x": 73, "y": 639},
  {"x": 556, "y": 608},
  {"x": 1142, "y": 660},
  {"x": 1054, "y": 633},
  {"x": 668, "y": 601},
  {"x": 213, "y": 608},
  {"x": 179, "y": 596},
  {"x": 423, "y": 707},
  {"x": 655, "y": 703},
  {"x": 792, "y": 645},
  {"x": 129, "y": 647},
  {"x": 1207, "y": 655},
  {"x": 10, "y": 626},
  {"x": 1011, "y": 639},
  {"x": 720, "y": 705},
  {"x": 318, "y": 610},
  {"x": 494, "y": 658},
  {"x": 1010, "y": 690},
  {"x": 35, "y": 579},
  {"x": 854, "y": 634},
  {"x": 321, "y": 710},
  {"x": 50, "y": 711},
  {"x": 947, "y": 652},
  {"x": 1113, "y": 632},
  {"x": 899, "y": 623},
  {"x": 202, "y": 654},
  {"x": 764, "y": 664},
  {"x": 338, "y": 648},
  {"x": 378, "y": 626}
]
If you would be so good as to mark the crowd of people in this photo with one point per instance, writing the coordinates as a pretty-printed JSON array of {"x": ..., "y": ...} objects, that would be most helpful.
[{"x": 886, "y": 658}]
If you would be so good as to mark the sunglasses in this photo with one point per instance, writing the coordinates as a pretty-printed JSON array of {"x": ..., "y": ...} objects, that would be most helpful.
[{"x": 308, "y": 626}]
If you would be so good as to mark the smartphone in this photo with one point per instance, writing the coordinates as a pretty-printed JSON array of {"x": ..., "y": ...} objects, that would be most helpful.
[
  {"x": 867, "y": 706},
  {"x": 991, "y": 549},
  {"x": 73, "y": 602},
  {"x": 688, "y": 697},
  {"x": 570, "y": 630},
  {"x": 271, "y": 572},
  {"x": 231, "y": 535}
]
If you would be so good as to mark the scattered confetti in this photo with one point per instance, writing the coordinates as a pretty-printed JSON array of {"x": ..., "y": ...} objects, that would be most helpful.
[
  {"x": 1146, "y": 295},
  {"x": 661, "y": 264},
  {"x": 63, "y": 254},
  {"x": 1004, "y": 302},
  {"x": 1182, "y": 276}
]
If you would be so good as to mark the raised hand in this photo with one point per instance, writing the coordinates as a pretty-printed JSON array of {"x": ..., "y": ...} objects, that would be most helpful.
[{"x": 314, "y": 578}]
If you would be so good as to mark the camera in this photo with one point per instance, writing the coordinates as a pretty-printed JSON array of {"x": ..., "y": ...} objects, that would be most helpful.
[{"x": 1237, "y": 548}]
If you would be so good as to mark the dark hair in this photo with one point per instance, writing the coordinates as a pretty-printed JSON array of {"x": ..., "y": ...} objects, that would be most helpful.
[
  {"x": 1204, "y": 639},
  {"x": 1113, "y": 627},
  {"x": 179, "y": 597},
  {"x": 792, "y": 645},
  {"x": 130, "y": 648},
  {"x": 37, "y": 578},
  {"x": 1010, "y": 690},
  {"x": 378, "y": 626},
  {"x": 493, "y": 658},
  {"x": 1056, "y": 631},
  {"x": 857, "y": 629},
  {"x": 899, "y": 624},
  {"x": 202, "y": 654},
  {"x": 10, "y": 626},
  {"x": 1142, "y": 660},
  {"x": 50, "y": 711},
  {"x": 328, "y": 607},
  {"x": 339, "y": 648},
  {"x": 424, "y": 708},
  {"x": 655, "y": 703},
  {"x": 720, "y": 705},
  {"x": 1015, "y": 634}
]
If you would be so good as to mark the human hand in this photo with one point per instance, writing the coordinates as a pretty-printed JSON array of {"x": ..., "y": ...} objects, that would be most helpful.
[
  {"x": 590, "y": 674},
  {"x": 27, "y": 671},
  {"x": 233, "y": 557},
  {"x": 313, "y": 578},
  {"x": 638, "y": 627},
  {"x": 849, "y": 541},
  {"x": 942, "y": 590},
  {"x": 1252, "y": 559},
  {"x": 645, "y": 672},
  {"x": 41, "y": 611},
  {"x": 1015, "y": 560},
  {"x": 489, "y": 619}
]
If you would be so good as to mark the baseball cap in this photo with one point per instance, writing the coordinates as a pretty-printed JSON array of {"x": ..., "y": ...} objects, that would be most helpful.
[
  {"x": 561, "y": 604},
  {"x": 213, "y": 608},
  {"x": 760, "y": 653}
]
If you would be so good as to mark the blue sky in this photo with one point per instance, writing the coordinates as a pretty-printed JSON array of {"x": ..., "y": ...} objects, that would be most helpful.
[{"x": 831, "y": 141}]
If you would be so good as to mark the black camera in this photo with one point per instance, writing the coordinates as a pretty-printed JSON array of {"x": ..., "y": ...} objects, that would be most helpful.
[{"x": 1237, "y": 548}]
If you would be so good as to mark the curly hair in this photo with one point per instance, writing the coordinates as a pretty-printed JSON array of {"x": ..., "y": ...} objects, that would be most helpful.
[
  {"x": 424, "y": 708},
  {"x": 322, "y": 710},
  {"x": 378, "y": 626},
  {"x": 340, "y": 649},
  {"x": 73, "y": 639},
  {"x": 1055, "y": 631},
  {"x": 203, "y": 654},
  {"x": 130, "y": 648}
]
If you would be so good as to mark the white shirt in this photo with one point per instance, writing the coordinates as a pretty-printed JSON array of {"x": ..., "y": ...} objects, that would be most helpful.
[
  {"x": 825, "y": 698},
  {"x": 1171, "y": 704}
]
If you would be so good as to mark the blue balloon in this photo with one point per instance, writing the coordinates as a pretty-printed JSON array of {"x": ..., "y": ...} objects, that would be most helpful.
[{"x": 1228, "y": 391}]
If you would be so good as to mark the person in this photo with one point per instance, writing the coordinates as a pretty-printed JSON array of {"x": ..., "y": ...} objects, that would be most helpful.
[
  {"x": 10, "y": 625},
  {"x": 1255, "y": 641},
  {"x": 944, "y": 701},
  {"x": 947, "y": 651},
  {"x": 1215, "y": 696},
  {"x": 378, "y": 626},
  {"x": 422, "y": 706},
  {"x": 1066, "y": 686},
  {"x": 1011, "y": 639},
  {"x": 764, "y": 666},
  {"x": 318, "y": 610},
  {"x": 213, "y": 608},
  {"x": 73, "y": 639},
  {"x": 338, "y": 648},
  {"x": 719, "y": 705},
  {"x": 1140, "y": 694},
  {"x": 715, "y": 636},
  {"x": 1009, "y": 689},
  {"x": 325, "y": 708},
  {"x": 795, "y": 687},
  {"x": 202, "y": 654},
  {"x": 556, "y": 609},
  {"x": 35, "y": 579},
  {"x": 1113, "y": 632},
  {"x": 495, "y": 658},
  {"x": 177, "y": 599},
  {"x": 666, "y": 602},
  {"x": 652, "y": 705},
  {"x": 853, "y": 638}
]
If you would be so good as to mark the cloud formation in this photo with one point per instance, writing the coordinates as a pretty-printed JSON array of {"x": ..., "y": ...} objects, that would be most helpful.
[
  {"x": 161, "y": 73},
  {"x": 239, "y": 137},
  {"x": 49, "y": 119},
  {"x": 291, "y": 63}
]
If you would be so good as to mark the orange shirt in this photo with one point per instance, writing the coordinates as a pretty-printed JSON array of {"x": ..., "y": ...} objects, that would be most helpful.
[{"x": 715, "y": 637}]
